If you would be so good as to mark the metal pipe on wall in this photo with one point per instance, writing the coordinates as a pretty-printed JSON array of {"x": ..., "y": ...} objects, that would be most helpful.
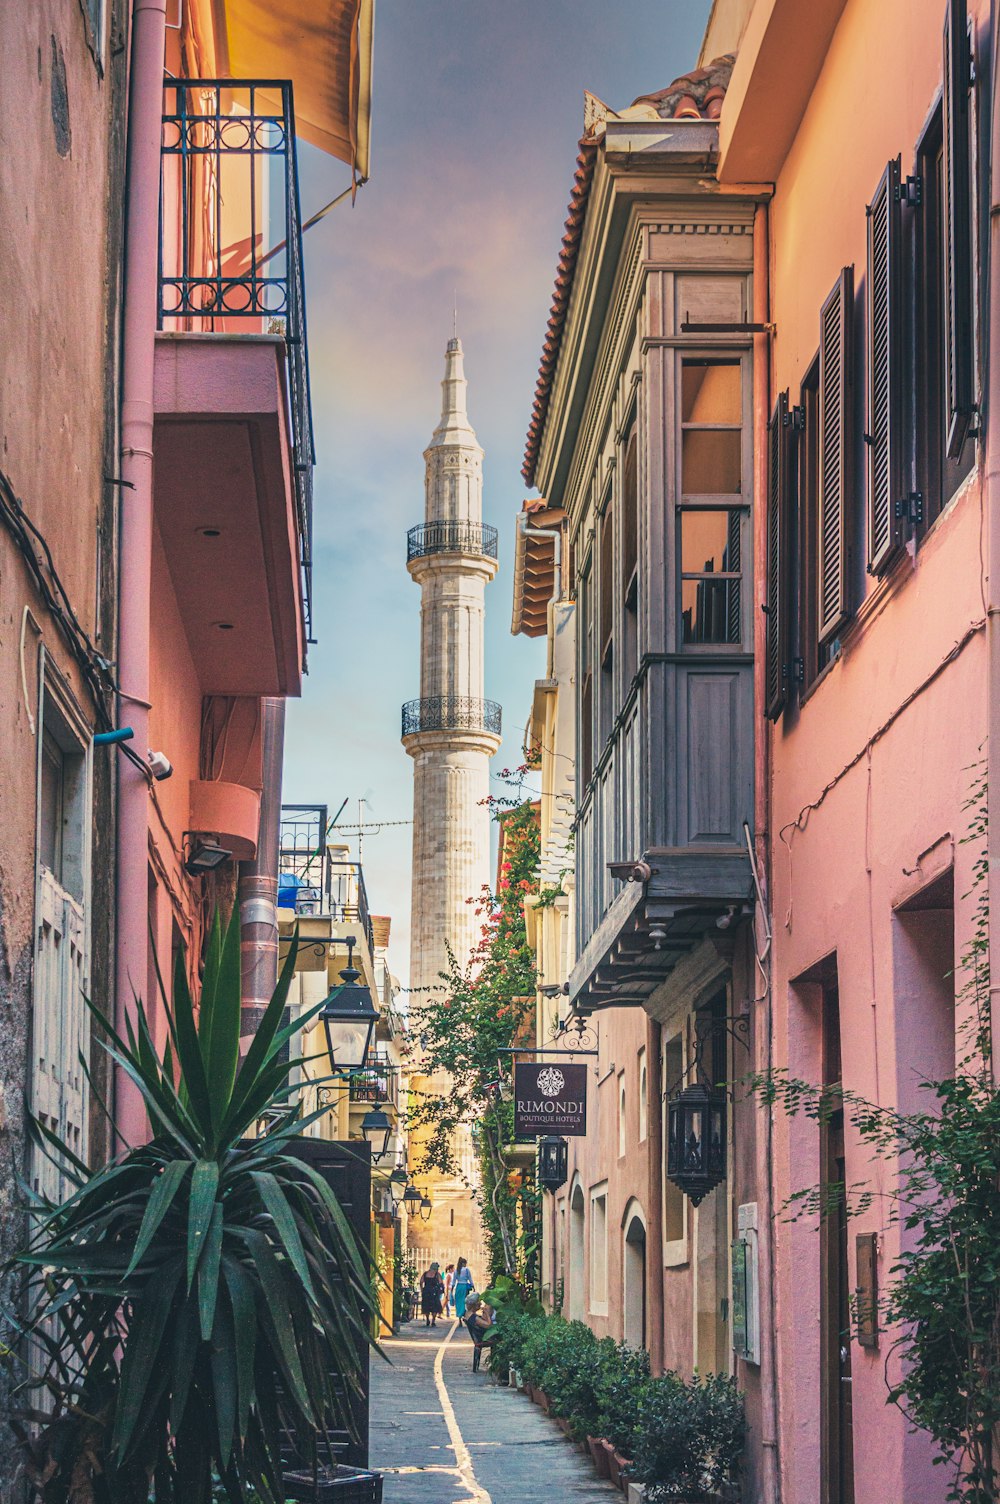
[
  {"x": 654, "y": 1197},
  {"x": 142, "y": 221},
  {"x": 258, "y": 891},
  {"x": 991, "y": 501},
  {"x": 763, "y": 1022}
]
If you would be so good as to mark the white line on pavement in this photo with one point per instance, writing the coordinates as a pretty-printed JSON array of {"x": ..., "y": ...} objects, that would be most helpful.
[{"x": 462, "y": 1456}]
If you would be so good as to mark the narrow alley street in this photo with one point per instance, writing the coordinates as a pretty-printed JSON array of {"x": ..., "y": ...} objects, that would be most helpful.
[{"x": 444, "y": 1435}]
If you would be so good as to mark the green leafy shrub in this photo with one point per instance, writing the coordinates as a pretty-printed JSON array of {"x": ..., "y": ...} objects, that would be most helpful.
[
  {"x": 198, "y": 1294},
  {"x": 688, "y": 1437},
  {"x": 621, "y": 1394}
]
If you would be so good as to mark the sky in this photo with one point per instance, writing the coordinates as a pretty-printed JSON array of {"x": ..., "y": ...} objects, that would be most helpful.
[{"x": 477, "y": 110}]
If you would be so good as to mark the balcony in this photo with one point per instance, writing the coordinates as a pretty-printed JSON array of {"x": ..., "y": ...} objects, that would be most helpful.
[
  {"x": 233, "y": 445},
  {"x": 451, "y": 538},
  {"x": 375, "y": 1087},
  {"x": 452, "y": 713}
]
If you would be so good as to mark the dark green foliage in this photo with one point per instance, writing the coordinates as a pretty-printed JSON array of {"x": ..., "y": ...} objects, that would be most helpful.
[
  {"x": 685, "y": 1438},
  {"x": 620, "y": 1397},
  {"x": 688, "y": 1437},
  {"x": 196, "y": 1294}
]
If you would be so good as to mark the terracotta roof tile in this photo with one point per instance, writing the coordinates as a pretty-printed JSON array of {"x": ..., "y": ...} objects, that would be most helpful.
[{"x": 693, "y": 96}]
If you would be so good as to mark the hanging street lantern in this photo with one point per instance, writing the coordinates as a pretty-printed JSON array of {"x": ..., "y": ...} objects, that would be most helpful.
[
  {"x": 349, "y": 1016},
  {"x": 397, "y": 1185},
  {"x": 412, "y": 1199},
  {"x": 696, "y": 1141},
  {"x": 377, "y": 1129},
  {"x": 426, "y": 1207},
  {"x": 553, "y": 1162}
]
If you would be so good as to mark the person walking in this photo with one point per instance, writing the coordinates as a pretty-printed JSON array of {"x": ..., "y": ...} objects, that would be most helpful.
[
  {"x": 449, "y": 1277},
  {"x": 431, "y": 1292},
  {"x": 462, "y": 1287}
]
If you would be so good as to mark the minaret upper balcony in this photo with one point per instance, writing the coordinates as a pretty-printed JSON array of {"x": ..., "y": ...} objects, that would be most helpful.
[{"x": 477, "y": 539}]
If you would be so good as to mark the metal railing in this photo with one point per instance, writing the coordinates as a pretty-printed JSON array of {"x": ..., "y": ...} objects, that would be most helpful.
[
  {"x": 451, "y": 538},
  {"x": 451, "y": 713},
  {"x": 376, "y": 1085},
  {"x": 231, "y": 240}
]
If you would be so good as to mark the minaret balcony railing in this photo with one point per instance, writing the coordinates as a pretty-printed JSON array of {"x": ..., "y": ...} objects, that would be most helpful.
[
  {"x": 451, "y": 538},
  {"x": 451, "y": 713}
]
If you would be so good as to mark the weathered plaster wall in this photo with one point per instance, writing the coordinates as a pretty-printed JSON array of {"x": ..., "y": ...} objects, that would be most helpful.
[
  {"x": 61, "y": 169},
  {"x": 882, "y": 746}
]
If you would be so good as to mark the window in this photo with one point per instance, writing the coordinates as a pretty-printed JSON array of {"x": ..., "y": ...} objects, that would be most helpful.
[
  {"x": 622, "y": 1120},
  {"x": 643, "y": 1098},
  {"x": 60, "y": 1031},
  {"x": 586, "y": 680},
  {"x": 883, "y": 437},
  {"x": 607, "y": 707},
  {"x": 956, "y": 260},
  {"x": 778, "y": 556},
  {"x": 712, "y": 510},
  {"x": 573, "y": 1272},
  {"x": 599, "y": 1250},
  {"x": 938, "y": 473},
  {"x": 834, "y": 443},
  {"x": 672, "y": 1077},
  {"x": 630, "y": 558}
]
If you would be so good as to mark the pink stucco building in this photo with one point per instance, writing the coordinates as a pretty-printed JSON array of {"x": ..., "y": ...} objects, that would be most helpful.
[{"x": 767, "y": 441}]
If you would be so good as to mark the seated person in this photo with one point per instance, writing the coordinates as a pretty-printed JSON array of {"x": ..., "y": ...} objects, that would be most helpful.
[{"x": 479, "y": 1318}]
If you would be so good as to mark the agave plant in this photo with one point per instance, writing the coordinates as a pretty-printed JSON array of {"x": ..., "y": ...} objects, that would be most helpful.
[{"x": 201, "y": 1294}]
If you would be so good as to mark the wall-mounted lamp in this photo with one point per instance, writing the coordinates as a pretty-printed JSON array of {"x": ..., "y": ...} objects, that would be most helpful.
[{"x": 205, "y": 856}]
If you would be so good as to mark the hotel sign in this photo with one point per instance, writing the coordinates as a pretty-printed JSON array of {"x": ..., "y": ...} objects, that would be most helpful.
[{"x": 550, "y": 1098}]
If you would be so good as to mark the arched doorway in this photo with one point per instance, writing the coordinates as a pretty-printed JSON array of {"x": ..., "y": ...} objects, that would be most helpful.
[
  {"x": 574, "y": 1294},
  {"x": 634, "y": 1279}
]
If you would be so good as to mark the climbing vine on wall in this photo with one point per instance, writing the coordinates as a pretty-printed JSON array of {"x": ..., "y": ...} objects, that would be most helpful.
[{"x": 485, "y": 1006}]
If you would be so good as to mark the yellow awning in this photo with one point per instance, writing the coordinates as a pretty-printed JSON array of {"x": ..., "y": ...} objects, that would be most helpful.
[{"x": 325, "y": 48}]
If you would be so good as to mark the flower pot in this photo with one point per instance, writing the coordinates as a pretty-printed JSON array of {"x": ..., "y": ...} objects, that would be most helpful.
[
  {"x": 564, "y": 1425},
  {"x": 529, "y": 1389},
  {"x": 541, "y": 1398},
  {"x": 512, "y": 1377},
  {"x": 599, "y": 1457},
  {"x": 618, "y": 1467}
]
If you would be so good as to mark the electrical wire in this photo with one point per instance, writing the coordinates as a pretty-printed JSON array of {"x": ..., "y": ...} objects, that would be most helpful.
[{"x": 37, "y": 555}]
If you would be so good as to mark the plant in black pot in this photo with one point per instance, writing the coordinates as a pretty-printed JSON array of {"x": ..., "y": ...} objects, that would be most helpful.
[{"x": 201, "y": 1294}]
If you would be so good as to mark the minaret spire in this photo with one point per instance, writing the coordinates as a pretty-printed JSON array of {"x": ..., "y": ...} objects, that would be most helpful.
[
  {"x": 454, "y": 427},
  {"x": 451, "y": 732}
]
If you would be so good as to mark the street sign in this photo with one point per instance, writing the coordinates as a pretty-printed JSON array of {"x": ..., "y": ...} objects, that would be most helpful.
[{"x": 549, "y": 1098}]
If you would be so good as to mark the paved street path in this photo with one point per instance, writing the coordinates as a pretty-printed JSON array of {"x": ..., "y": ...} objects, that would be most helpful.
[{"x": 442, "y": 1434}]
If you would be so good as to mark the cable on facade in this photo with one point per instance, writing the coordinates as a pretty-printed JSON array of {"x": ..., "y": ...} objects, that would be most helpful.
[{"x": 37, "y": 555}]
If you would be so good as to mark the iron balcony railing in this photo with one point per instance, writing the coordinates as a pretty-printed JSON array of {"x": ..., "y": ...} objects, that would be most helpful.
[
  {"x": 231, "y": 241},
  {"x": 451, "y": 538},
  {"x": 375, "y": 1086},
  {"x": 451, "y": 713}
]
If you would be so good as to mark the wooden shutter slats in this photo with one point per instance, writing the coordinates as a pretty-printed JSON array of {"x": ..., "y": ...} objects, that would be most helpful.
[
  {"x": 776, "y": 633},
  {"x": 836, "y": 410},
  {"x": 884, "y": 434},
  {"x": 958, "y": 228}
]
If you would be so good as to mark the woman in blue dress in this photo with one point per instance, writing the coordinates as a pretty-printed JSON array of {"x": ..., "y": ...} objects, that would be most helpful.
[{"x": 462, "y": 1287}]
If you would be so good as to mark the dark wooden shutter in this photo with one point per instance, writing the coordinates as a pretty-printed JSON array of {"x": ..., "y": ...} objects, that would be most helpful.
[
  {"x": 958, "y": 226},
  {"x": 836, "y": 456},
  {"x": 884, "y": 436},
  {"x": 778, "y": 557}
]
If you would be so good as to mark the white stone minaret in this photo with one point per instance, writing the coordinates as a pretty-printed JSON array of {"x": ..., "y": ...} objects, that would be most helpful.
[{"x": 451, "y": 732}]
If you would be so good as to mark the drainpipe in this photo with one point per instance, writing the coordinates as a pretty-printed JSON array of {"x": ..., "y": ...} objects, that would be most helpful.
[
  {"x": 991, "y": 500},
  {"x": 524, "y": 527},
  {"x": 259, "y": 883},
  {"x": 763, "y": 1023},
  {"x": 142, "y": 218},
  {"x": 654, "y": 1198}
]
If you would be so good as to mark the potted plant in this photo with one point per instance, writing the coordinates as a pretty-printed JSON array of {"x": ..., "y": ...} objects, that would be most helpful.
[
  {"x": 621, "y": 1392},
  {"x": 200, "y": 1293},
  {"x": 689, "y": 1438}
]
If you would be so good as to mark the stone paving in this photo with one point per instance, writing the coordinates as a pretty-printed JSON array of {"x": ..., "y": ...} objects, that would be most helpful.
[{"x": 444, "y": 1435}]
